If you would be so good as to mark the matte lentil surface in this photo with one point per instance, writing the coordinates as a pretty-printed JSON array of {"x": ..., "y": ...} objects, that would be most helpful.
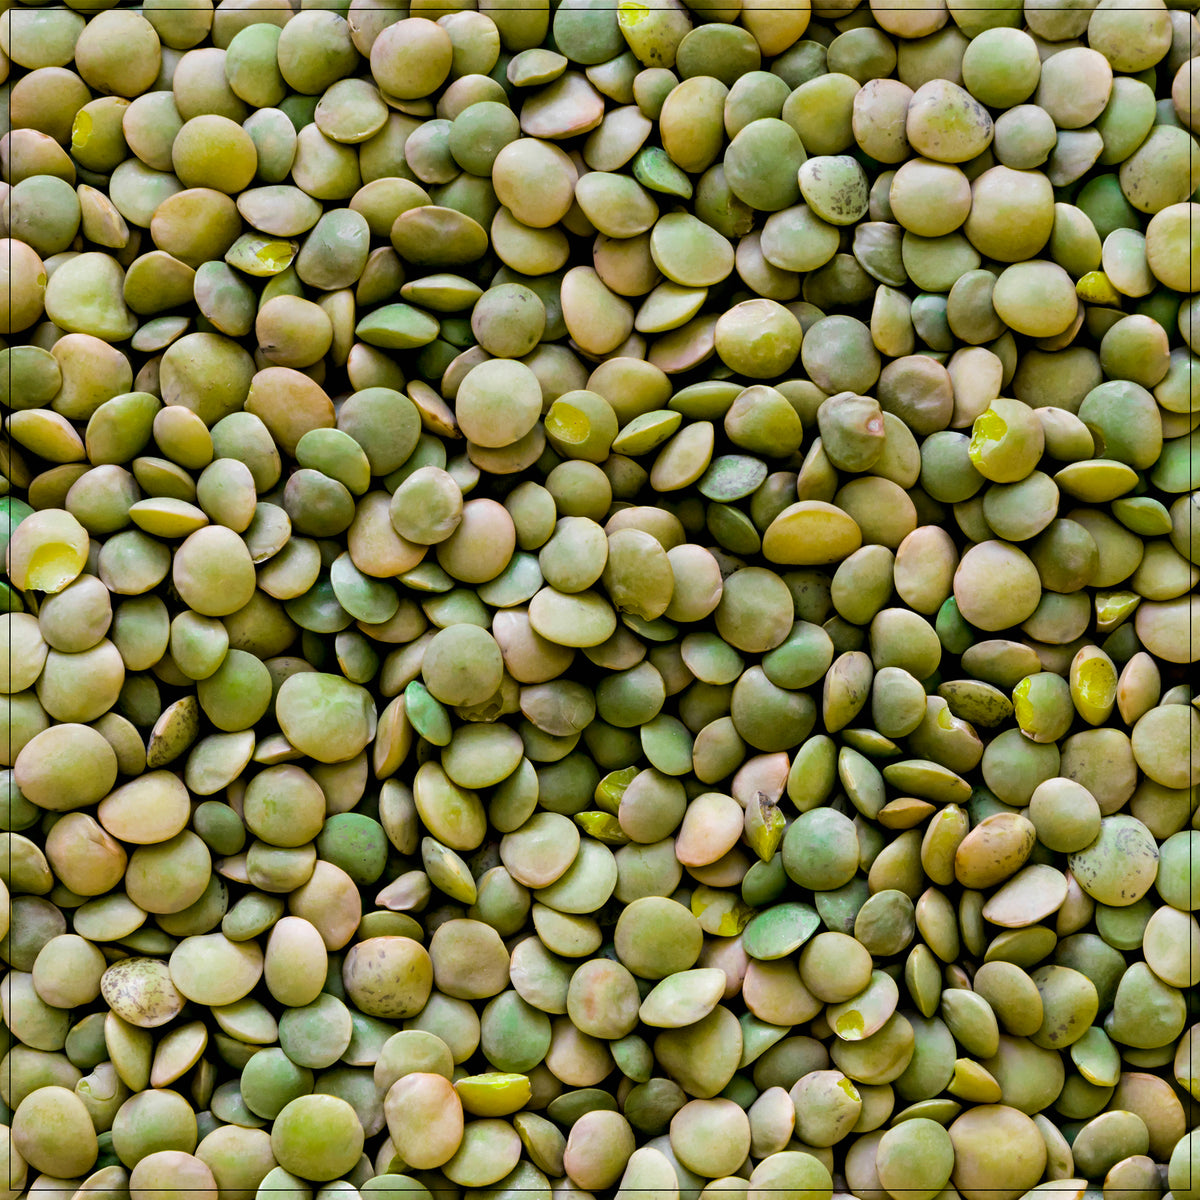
[{"x": 599, "y": 600}]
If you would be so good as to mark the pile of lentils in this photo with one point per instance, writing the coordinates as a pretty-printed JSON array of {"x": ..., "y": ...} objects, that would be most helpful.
[{"x": 600, "y": 600}]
